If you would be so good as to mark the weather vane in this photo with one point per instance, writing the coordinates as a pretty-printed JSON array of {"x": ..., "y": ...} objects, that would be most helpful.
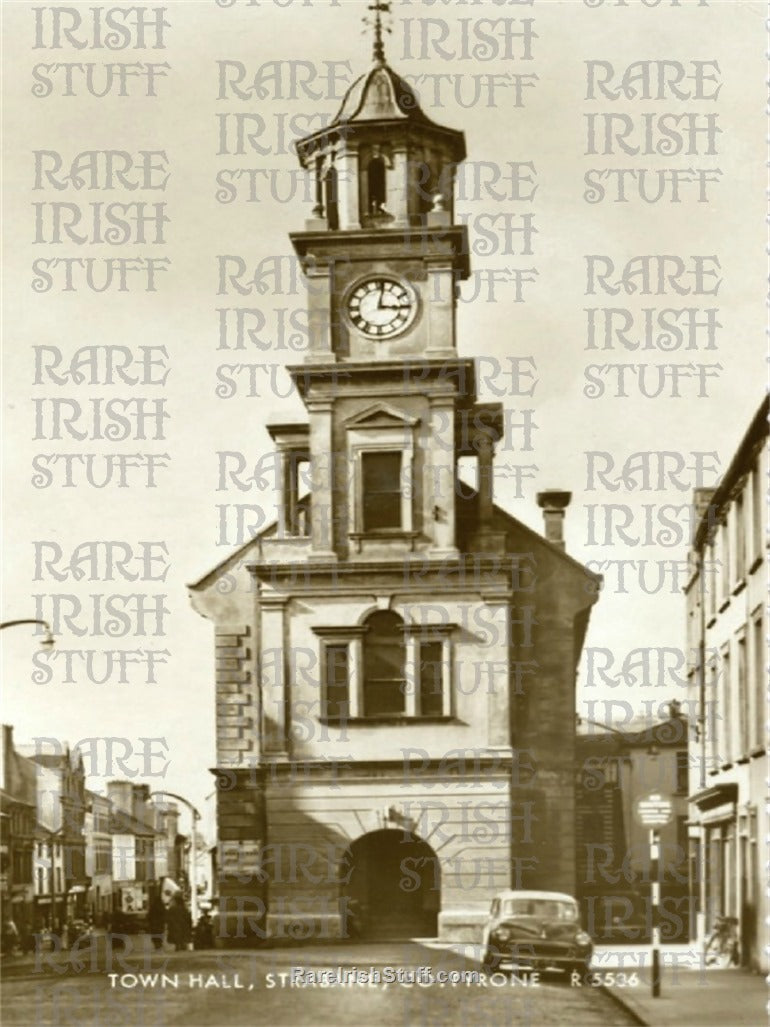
[{"x": 379, "y": 7}]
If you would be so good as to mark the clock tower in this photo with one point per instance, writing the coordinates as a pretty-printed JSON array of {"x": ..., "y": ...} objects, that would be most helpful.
[
  {"x": 382, "y": 381},
  {"x": 382, "y": 227},
  {"x": 396, "y": 654}
]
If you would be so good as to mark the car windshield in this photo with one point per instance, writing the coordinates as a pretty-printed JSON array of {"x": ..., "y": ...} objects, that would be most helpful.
[{"x": 553, "y": 909}]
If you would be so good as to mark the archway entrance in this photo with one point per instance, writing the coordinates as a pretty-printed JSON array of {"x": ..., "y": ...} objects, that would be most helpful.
[{"x": 390, "y": 887}]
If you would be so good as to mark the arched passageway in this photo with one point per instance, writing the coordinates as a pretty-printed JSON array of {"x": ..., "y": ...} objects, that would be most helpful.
[{"x": 390, "y": 887}]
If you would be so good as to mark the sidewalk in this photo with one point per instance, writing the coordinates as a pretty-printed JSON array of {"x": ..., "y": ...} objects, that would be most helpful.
[
  {"x": 89, "y": 953},
  {"x": 698, "y": 998}
]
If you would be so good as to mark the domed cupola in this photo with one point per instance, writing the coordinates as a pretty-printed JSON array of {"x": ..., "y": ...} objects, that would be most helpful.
[{"x": 381, "y": 162}]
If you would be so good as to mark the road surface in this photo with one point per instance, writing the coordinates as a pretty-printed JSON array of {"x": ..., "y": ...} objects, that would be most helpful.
[{"x": 377, "y": 985}]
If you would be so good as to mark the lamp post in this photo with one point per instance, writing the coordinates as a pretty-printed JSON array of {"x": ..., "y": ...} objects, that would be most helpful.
[
  {"x": 598, "y": 723},
  {"x": 193, "y": 867}
]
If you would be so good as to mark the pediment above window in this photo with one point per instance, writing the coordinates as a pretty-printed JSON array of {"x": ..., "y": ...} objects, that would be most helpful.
[{"x": 381, "y": 415}]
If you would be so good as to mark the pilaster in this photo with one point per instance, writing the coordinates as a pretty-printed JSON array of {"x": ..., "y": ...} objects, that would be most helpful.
[
  {"x": 322, "y": 476},
  {"x": 274, "y": 677},
  {"x": 439, "y": 501}
]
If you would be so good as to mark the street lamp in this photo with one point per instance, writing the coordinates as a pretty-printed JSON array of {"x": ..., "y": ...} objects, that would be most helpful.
[
  {"x": 48, "y": 640},
  {"x": 193, "y": 868}
]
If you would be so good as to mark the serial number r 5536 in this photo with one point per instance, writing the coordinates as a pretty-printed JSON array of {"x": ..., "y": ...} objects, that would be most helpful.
[{"x": 604, "y": 978}]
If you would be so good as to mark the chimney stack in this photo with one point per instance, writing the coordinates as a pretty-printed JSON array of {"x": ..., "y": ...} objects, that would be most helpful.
[
  {"x": 553, "y": 503},
  {"x": 139, "y": 804},
  {"x": 120, "y": 794}
]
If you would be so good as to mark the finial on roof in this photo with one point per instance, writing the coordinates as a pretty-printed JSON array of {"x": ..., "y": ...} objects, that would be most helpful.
[{"x": 379, "y": 7}]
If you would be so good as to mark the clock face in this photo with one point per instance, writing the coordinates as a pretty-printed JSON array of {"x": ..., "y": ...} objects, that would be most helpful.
[{"x": 381, "y": 307}]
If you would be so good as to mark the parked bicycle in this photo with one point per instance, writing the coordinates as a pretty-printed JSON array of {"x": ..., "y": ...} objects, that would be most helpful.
[{"x": 722, "y": 947}]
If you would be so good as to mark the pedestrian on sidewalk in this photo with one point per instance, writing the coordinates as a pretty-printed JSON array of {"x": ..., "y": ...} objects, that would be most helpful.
[
  {"x": 179, "y": 923},
  {"x": 156, "y": 919},
  {"x": 9, "y": 937}
]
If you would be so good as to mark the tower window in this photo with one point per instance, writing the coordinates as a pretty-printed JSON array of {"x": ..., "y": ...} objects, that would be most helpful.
[
  {"x": 384, "y": 662},
  {"x": 335, "y": 704},
  {"x": 381, "y": 490},
  {"x": 425, "y": 186},
  {"x": 332, "y": 203},
  {"x": 376, "y": 184},
  {"x": 431, "y": 679}
]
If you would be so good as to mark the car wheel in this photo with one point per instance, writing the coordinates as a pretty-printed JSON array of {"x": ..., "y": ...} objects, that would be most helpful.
[
  {"x": 581, "y": 969},
  {"x": 491, "y": 961}
]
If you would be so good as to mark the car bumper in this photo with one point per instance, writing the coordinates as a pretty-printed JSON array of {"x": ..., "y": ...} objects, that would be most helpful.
[{"x": 540, "y": 956}]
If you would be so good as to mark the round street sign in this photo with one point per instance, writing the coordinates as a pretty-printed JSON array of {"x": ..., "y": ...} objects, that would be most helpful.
[{"x": 654, "y": 810}]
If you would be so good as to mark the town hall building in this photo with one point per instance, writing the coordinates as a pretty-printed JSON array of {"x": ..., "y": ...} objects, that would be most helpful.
[{"x": 396, "y": 654}]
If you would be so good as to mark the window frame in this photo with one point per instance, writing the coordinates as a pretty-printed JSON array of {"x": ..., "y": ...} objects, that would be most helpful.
[
  {"x": 725, "y": 705},
  {"x": 742, "y": 690},
  {"x": 739, "y": 548},
  {"x": 366, "y": 682},
  {"x": 758, "y": 689},
  {"x": 349, "y": 636},
  {"x": 353, "y": 638},
  {"x": 366, "y": 459},
  {"x": 420, "y": 634},
  {"x": 327, "y": 647},
  {"x": 381, "y": 428},
  {"x": 425, "y": 683},
  {"x": 725, "y": 589},
  {"x": 758, "y": 501}
]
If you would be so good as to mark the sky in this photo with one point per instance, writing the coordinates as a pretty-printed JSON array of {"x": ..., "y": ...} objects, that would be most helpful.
[{"x": 535, "y": 87}]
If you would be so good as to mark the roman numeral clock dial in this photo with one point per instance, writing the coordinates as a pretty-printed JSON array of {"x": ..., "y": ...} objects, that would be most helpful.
[{"x": 381, "y": 308}]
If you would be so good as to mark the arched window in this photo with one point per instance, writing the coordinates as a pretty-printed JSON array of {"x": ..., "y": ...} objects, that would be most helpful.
[
  {"x": 332, "y": 206},
  {"x": 376, "y": 185},
  {"x": 425, "y": 186},
  {"x": 384, "y": 665},
  {"x": 318, "y": 209}
]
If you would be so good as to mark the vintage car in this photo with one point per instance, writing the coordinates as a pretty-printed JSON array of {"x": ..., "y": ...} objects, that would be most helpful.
[{"x": 537, "y": 930}]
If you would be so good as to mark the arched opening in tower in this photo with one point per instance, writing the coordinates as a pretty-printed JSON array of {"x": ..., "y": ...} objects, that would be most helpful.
[
  {"x": 331, "y": 197},
  {"x": 376, "y": 185}
]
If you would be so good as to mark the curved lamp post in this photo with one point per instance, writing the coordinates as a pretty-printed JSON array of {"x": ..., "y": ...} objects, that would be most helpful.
[
  {"x": 193, "y": 868},
  {"x": 48, "y": 641}
]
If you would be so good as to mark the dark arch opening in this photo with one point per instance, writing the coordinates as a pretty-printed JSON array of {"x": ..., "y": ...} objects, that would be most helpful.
[
  {"x": 376, "y": 185},
  {"x": 390, "y": 887},
  {"x": 425, "y": 186},
  {"x": 332, "y": 204}
]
